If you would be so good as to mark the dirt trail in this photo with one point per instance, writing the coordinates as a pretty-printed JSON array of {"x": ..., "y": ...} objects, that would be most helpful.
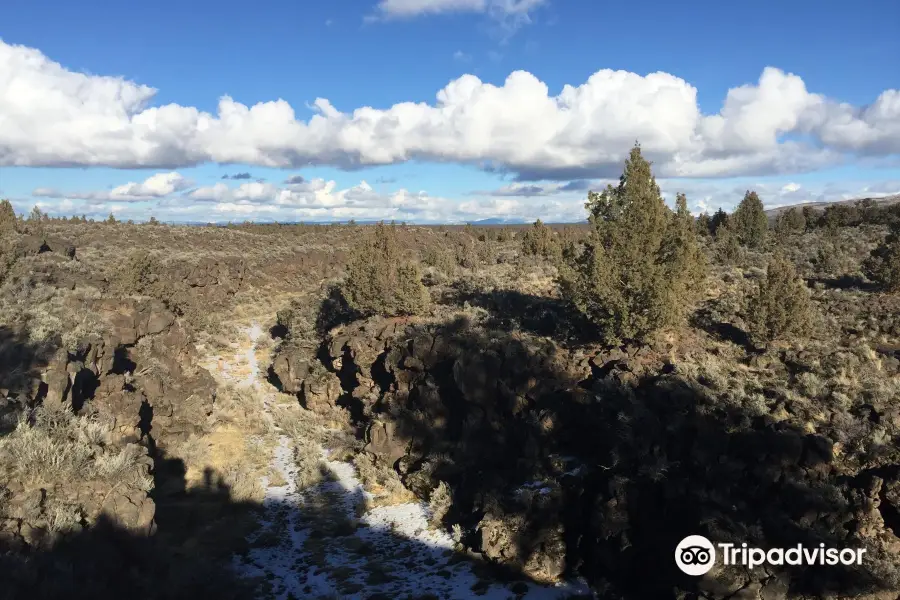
[{"x": 317, "y": 542}]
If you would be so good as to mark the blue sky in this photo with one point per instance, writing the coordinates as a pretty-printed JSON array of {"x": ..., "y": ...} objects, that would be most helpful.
[{"x": 824, "y": 123}]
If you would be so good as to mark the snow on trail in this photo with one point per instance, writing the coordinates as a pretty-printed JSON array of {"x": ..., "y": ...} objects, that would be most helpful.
[{"x": 314, "y": 542}]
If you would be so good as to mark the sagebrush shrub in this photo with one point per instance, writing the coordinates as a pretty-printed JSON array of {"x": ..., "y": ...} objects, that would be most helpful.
[
  {"x": 439, "y": 504},
  {"x": 59, "y": 447},
  {"x": 299, "y": 319},
  {"x": 883, "y": 264},
  {"x": 780, "y": 306},
  {"x": 379, "y": 281},
  {"x": 139, "y": 274},
  {"x": 638, "y": 270}
]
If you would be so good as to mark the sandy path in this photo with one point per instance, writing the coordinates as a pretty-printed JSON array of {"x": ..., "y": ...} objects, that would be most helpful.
[{"x": 315, "y": 543}]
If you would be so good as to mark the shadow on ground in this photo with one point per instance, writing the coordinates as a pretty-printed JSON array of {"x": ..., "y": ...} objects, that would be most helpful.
[
  {"x": 553, "y": 470},
  {"x": 204, "y": 538},
  {"x": 602, "y": 477},
  {"x": 21, "y": 363},
  {"x": 705, "y": 318},
  {"x": 510, "y": 309},
  {"x": 844, "y": 282}
]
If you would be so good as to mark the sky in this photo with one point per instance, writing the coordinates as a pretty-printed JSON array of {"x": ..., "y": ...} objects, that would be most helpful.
[{"x": 440, "y": 110}]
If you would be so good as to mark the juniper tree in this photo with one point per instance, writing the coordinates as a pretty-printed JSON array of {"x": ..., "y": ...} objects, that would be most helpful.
[
  {"x": 637, "y": 271},
  {"x": 791, "y": 221},
  {"x": 717, "y": 221},
  {"x": 727, "y": 248},
  {"x": 8, "y": 221},
  {"x": 684, "y": 261},
  {"x": 379, "y": 281},
  {"x": 34, "y": 224},
  {"x": 883, "y": 264},
  {"x": 37, "y": 215},
  {"x": 750, "y": 221},
  {"x": 704, "y": 224},
  {"x": 809, "y": 217},
  {"x": 538, "y": 241},
  {"x": 780, "y": 306}
]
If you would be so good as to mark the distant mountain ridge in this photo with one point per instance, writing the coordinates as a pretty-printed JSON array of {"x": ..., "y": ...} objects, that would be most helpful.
[{"x": 884, "y": 200}]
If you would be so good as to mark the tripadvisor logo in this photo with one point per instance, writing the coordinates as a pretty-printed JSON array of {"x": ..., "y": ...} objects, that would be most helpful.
[{"x": 696, "y": 555}]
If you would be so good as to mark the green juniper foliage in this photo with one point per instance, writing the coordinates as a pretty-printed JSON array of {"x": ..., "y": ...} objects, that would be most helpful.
[
  {"x": 750, "y": 221},
  {"x": 641, "y": 265},
  {"x": 704, "y": 224},
  {"x": 8, "y": 221},
  {"x": 538, "y": 241},
  {"x": 791, "y": 221},
  {"x": 379, "y": 281},
  {"x": 718, "y": 221},
  {"x": 810, "y": 217},
  {"x": 781, "y": 306},
  {"x": 883, "y": 264},
  {"x": 727, "y": 247}
]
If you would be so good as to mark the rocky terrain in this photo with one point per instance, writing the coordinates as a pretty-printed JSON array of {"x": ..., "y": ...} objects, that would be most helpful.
[{"x": 198, "y": 411}]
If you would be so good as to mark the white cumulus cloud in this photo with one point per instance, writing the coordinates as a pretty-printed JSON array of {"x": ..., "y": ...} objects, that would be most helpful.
[
  {"x": 156, "y": 186},
  {"x": 323, "y": 200},
  {"x": 51, "y": 116}
]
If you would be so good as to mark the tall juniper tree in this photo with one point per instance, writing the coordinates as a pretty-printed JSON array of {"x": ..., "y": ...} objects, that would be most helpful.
[
  {"x": 750, "y": 221},
  {"x": 640, "y": 266},
  {"x": 8, "y": 221}
]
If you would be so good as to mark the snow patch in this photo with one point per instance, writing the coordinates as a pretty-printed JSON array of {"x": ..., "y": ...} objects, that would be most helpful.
[{"x": 388, "y": 549}]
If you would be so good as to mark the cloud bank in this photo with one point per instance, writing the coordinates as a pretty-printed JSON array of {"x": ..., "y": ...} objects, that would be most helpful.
[
  {"x": 171, "y": 197},
  {"x": 52, "y": 116}
]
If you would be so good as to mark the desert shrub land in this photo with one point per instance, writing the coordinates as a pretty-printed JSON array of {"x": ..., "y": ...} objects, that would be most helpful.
[{"x": 567, "y": 401}]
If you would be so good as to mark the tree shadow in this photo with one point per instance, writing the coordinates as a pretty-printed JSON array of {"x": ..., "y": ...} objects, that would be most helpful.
[
  {"x": 704, "y": 319},
  {"x": 204, "y": 542},
  {"x": 334, "y": 311},
  {"x": 20, "y": 374},
  {"x": 602, "y": 477},
  {"x": 844, "y": 282},
  {"x": 555, "y": 318},
  {"x": 186, "y": 557}
]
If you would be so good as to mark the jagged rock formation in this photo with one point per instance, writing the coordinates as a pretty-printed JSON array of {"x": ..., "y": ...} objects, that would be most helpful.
[
  {"x": 599, "y": 461},
  {"x": 139, "y": 381}
]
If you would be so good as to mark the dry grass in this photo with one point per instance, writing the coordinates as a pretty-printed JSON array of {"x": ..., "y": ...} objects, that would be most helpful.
[
  {"x": 382, "y": 482},
  {"x": 50, "y": 312},
  {"x": 239, "y": 459},
  {"x": 53, "y": 446},
  {"x": 309, "y": 434}
]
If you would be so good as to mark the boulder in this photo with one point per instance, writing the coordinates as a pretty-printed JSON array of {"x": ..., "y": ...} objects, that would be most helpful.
[
  {"x": 58, "y": 386},
  {"x": 319, "y": 394},
  {"x": 383, "y": 440}
]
